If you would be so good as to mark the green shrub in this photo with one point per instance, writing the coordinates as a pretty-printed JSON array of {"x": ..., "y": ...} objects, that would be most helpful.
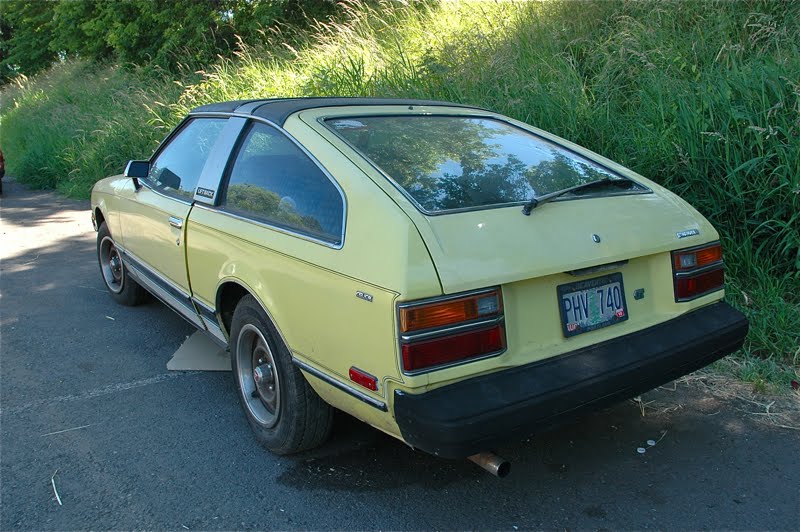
[{"x": 78, "y": 122}]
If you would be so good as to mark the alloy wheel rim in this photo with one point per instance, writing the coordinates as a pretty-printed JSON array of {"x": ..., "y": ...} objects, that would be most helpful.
[
  {"x": 258, "y": 376},
  {"x": 111, "y": 265}
]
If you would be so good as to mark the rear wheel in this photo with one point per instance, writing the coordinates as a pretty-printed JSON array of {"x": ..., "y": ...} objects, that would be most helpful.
[
  {"x": 285, "y": 413},
  {"x": 120, "y": 285}
]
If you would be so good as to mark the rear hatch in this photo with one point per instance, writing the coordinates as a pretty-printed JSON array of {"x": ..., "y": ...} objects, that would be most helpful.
[
  {"x": 463, "y": 178},
  {"x": 562, "y": 249}
]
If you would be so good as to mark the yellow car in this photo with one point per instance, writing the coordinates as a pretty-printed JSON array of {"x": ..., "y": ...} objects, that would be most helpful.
[{"x": 451, "y": 276}]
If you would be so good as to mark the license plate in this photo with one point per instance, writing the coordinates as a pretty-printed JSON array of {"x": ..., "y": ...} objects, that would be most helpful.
[{"x": 592, "y": 304}]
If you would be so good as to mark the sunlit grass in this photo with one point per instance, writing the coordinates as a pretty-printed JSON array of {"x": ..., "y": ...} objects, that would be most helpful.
[{"x": 77, "y": 123}]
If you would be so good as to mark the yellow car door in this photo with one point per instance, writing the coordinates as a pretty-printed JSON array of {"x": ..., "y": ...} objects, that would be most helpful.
[{"x": 153, "y": 221}]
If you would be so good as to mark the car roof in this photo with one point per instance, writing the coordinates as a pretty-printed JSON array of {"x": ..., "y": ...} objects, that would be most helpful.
[{"x": 278, "y": 110}]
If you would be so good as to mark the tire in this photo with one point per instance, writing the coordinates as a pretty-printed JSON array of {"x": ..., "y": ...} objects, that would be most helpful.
[
  {"x": 120, "y": 285},
  {"x": 285, "y": 413}
]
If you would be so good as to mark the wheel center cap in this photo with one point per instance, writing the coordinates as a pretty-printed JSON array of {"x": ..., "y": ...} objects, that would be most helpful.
[{"x": 262, "y": 375}]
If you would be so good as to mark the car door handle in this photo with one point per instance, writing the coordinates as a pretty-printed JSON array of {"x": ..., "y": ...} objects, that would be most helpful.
[{"x": 175, "y": 222}]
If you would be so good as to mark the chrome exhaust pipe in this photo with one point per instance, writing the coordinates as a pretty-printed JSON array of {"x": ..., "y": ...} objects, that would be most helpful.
[{"x": 492, "y": 463}]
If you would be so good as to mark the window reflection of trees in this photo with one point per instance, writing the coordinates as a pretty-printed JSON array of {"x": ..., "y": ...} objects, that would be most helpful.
[
  {"x": 262, "y": 203},
  {"x": 563, "y": 171},
  {"x": 454, "y": 162}
]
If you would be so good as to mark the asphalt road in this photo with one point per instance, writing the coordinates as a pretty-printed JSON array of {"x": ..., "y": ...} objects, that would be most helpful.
[{"x": 85, "y": 394}]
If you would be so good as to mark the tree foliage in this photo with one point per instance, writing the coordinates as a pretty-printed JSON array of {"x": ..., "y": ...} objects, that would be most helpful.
[
  {"x": 26, "y": 31},
  {"x": 448, "y": 163},
  {"x": 34, "y": 34},
  {"x": 254, "y": 200}
]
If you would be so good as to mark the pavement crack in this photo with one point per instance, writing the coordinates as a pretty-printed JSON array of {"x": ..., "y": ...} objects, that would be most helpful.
[{"x": 97, "y": 392}]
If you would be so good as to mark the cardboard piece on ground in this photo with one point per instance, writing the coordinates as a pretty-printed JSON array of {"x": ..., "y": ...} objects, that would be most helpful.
[{"x": 199, "y": 353}]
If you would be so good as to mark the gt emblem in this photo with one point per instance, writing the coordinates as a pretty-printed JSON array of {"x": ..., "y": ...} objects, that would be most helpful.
[
  {"x": 596, "y": 238},
  {"x": 365, "y": 296}
]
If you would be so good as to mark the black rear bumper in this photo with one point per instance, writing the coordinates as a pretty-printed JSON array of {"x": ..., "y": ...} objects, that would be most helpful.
[{"x": 478, "y": 414}]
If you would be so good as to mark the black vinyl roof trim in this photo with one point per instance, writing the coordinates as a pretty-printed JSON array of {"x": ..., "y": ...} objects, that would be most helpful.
[{"x": 278, "y": 110}]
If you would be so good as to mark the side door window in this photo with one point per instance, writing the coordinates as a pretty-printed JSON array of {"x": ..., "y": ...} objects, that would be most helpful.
[
  {"x": 176, "y": 169},
  {"x": 274, "y": 181}
]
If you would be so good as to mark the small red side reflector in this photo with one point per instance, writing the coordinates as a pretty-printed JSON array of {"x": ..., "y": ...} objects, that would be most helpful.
[
  {"x": 421, "y": 355},
  {"x": 697, "y": 285},
  {"x": 364, "y": 379}
]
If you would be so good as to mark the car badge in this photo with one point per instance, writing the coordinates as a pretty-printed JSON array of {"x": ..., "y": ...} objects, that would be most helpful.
[
  {"x": 688, "y": 232},
  {"x": 596, "y": 238},
  {"x": 365, "y": 296},
  {"x": 205, "y": 192}
]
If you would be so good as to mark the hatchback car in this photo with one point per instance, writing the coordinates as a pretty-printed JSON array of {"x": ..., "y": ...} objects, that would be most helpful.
[{"x": 453, "y": 277}]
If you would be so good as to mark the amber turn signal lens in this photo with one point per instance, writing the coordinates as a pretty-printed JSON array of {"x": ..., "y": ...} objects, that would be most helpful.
[
  {"x": 696, "y": 258},
  {"x": 430, "y": 315}
]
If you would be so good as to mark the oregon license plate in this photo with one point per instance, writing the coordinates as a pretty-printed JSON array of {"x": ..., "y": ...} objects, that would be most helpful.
[{"x": 592, "y": 304}]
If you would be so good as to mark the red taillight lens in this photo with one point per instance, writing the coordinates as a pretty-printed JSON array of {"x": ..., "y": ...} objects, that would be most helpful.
[
  {"x": 698, "y": 271},
  {"x": 691, "y": 287},
  {"x": 451, "y": 311},
  {"x": 436, "y": 352}
]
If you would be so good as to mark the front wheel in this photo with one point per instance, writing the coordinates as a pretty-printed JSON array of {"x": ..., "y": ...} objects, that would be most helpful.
[
  {"x": 120, "y": 285},
  {"x": 285, "y": 413}
]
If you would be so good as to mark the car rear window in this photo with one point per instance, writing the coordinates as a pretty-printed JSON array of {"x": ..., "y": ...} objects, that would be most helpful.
[{"x": 448, "y": 163}]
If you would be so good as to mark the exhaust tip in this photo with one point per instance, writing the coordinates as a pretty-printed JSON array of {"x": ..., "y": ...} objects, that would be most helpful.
[
  {"x": 503, "y": 469},
  {"x": 492, "y": 463}
]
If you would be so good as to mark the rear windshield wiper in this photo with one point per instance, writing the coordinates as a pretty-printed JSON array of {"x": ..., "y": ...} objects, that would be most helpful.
[{"x": 535, "y": 202}]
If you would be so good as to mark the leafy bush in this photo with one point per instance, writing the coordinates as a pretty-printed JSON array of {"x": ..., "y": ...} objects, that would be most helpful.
[{"x": 166, "y": 33}]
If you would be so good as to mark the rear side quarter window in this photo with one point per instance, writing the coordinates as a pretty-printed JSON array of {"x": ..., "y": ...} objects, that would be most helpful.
[{"x": 273, "y": 181}]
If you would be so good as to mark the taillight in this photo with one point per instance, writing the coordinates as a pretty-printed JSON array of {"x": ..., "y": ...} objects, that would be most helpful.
[
  {"x": 450, "y": 311},
  {"x": 697, "y": 271},
  {"x": 450, "y": 330},
  {"x": 694, "y": 258}
]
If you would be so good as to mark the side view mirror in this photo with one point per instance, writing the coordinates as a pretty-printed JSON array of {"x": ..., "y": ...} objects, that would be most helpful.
[{"x": 136, "y": 170}]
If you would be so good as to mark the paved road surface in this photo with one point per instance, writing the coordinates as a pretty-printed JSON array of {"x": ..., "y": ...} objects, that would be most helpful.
[{"x": 157, "y": 450}]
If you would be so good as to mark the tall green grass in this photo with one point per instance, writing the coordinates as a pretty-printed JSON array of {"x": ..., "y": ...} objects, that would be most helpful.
[
  {"x": 78, "y": 122},
  {"x": 703, "y": 97}
]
